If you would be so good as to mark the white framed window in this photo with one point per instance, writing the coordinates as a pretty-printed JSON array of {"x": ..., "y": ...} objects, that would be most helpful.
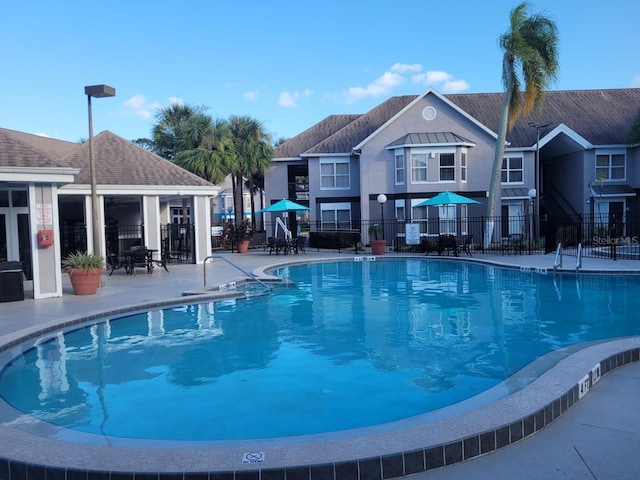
[
  {"x": 418, "y": 168},
  {"x": 399, "y": 207},
  {"x": 335, "y": 175},
  {"x": 611, "y": 166},
  {"x": 335, "y": 216},
  {"x": 464, "y": 219},
  {"x": 447, "y": 219},
  {"x": 512, "y": 171},
  {"x": 420, "y": 215},
  {"x": 447, "y": 167},
  {"x": 399, "y": 168},
  {"x": 463, "y": 167}
]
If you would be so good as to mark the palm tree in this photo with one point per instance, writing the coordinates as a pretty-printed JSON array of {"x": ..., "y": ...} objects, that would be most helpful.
[
  {"x": 530, "y": 48},
  {"x": 169, "y": 128},
  {"x": 254, "y": 153},
  {"x": 205, "y": 147}
]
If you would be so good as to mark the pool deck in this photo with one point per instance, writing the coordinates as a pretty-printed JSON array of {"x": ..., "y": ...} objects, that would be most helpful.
[{"x": 596, "y": 437}]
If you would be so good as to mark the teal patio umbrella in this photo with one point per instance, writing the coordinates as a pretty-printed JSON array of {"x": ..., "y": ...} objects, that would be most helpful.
[
  {"x": 446, "y": 198},
  {"x": 284, "y": 206}
]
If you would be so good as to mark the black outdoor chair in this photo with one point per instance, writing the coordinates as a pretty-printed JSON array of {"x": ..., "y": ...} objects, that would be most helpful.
[
  {"x": 514, "y": 242},
  {"x": 465, "y": 245},
  {"x": 298, "y": 243},
  {"x": 447, "y": 243}
]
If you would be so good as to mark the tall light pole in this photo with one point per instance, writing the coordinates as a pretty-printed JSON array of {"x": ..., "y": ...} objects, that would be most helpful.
[
  {"x": 96, "y": 91},
  {"x": 382, "y": 199},
  {"x": 536, "y": 170}
]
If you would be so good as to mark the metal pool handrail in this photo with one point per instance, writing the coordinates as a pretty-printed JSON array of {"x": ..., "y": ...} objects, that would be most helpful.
[
  {"x": 238, "y": 267},
  {"x": 557, "y": 262},
  {"x": 579, "y": 259}
]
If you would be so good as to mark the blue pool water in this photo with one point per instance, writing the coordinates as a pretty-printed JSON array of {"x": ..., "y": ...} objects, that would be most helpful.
[{"x": 353, "y": 344}]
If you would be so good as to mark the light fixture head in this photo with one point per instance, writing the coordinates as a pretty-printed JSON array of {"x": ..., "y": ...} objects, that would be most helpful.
[
  {"x": 100, "y": 91},
  {"x": 382, "y": 198}
]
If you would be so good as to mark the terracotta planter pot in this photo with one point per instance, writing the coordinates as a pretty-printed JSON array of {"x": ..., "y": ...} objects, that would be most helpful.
[
  {"x": 85, "y": 282},
  {"x": 378, "y": 246},
  {"x": 242, "y": 246}
]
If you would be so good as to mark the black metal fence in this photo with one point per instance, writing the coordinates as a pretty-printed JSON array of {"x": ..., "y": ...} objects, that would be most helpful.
[
  {"x": 599, "y": 236},
  {"x": 176, "y": 240}
]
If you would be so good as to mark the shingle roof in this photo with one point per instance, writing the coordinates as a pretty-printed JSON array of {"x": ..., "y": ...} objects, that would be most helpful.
[
  {"x": 23, "y": 150},
  {"x": 121, "y": 162},
  {"x": 603, "y": 117},
  {"x": 312, "y": 136}
]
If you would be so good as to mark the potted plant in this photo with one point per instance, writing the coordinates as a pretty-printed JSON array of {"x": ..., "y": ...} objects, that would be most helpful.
[
  {"x": 85, "y": 270},
  {"x": 241, "y": 233},
  {"x": 377, "y": 246}
]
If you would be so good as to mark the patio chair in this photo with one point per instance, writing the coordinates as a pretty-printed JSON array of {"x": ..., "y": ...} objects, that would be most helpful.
[
  {"x": 139, "y": 258},
  {"x": 298, "y": 244},
  {"x": 512, "y": 243},
  {"x": 465, "y": 245},
  {"x": 447, "y": 243}
]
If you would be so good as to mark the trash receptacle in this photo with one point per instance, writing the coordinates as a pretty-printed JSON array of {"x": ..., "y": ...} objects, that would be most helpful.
[{"x": 11, "y": 286}]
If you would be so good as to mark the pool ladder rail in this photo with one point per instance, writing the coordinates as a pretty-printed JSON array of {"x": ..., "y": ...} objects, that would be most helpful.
[
  {"x": 237, "y": 267},
  {"x": 557, "y": 262}
]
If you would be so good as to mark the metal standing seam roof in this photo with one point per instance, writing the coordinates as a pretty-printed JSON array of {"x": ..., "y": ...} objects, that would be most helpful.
[{"x": 431, "y": 138}]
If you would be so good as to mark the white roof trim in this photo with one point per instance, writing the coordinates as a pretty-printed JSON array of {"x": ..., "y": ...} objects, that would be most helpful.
[
  {"x": 323, "y": 155},
  {"x": 411, "y": 104},
  {"x": 562, "y": 128},
  {"x": 38, "y": 174},
  {"x": 188, "y": 190}
]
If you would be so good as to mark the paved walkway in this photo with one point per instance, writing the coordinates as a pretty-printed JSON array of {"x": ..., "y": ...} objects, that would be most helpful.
[{"x": 599, "y": 438}]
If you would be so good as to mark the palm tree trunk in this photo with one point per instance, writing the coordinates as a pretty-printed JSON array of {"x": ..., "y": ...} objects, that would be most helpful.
[{"x": 495, "y": 191}]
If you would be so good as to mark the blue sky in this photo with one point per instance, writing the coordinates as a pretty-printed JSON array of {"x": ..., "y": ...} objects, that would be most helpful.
[{"x": 288, "y": 64}]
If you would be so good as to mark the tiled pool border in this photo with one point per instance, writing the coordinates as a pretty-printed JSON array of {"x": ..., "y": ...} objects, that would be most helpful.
[{"x": 384, "y": 466}]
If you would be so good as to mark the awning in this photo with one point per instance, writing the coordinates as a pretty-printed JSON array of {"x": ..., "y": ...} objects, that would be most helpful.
[{"x": 608, "y": 190}]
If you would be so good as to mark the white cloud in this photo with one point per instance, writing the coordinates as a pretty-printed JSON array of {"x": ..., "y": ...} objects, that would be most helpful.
[
  {"x": 380, "y": 86},
  {"x": 251, "y": 95},
  {"x": 290, "y": 99},
  {"x": 635, "y": 83},
  {"x": 442, "y": 80},
  {"x": 139, "y": 106},
  {"x": 406, "y": 67}
]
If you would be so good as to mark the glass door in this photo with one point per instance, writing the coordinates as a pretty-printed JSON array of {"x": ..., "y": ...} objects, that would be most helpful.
[{"x": 14, "y": 238}]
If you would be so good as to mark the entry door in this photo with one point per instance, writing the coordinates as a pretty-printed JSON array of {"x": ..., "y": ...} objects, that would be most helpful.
[{"x": 14, "y": 238}]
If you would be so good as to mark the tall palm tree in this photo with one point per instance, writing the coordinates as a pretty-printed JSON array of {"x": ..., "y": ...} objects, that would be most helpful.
[
  {"x": 530, "y": 48},
  {"x": 169, "y": 128},
  {"x": 254, "y": 153},
  {"x": 205, "y": 147}
]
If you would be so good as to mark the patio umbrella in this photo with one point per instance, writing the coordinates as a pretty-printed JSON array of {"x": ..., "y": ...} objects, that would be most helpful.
[
  {"x": 446, "y": 198},
  {"x": 284, "y": 206}
]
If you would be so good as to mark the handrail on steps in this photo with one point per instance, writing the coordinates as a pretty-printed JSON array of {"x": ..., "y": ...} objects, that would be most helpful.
[
  {"x": 238, "y": 267},
  {"x": 557, "y": 262},
  {"x": 579, "y": 259}
]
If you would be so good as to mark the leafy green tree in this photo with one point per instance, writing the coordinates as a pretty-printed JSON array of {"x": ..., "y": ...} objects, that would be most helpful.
[
  {"x": 205, "y": 147},
  {"x": 530, "y": 59},
  {"x": 254, "y": 152},
  {"x": 167, "y": 132}
]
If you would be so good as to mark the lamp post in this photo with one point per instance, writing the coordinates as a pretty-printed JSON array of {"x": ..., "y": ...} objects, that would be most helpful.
[
  {"x": 532, "y": 195},
  {"x": 536, "y": 169},
  {"x": 96, "y": 91},
  {"x": 382, "y": 199}
]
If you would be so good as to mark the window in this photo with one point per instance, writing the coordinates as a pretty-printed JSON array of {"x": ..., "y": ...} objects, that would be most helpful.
[
  {"x": 447, "y": 167},
  {"x": 511, "y": 170},
  {"x": 334, "y": 175},
  {"x": 335, "y": 216},
  {"x": 399, "y": 210},
  {"x": 463, "y": 167},
  {"x": 610, "y": 166},
  {"x": 419, "y": 168},
  {"x": 419, "y": 215},
  {"x": 447, "y": 219},
  {"x": 399, "y": 166}
]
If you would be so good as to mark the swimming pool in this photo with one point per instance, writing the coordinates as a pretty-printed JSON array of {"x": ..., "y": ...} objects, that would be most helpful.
[{"x": 423, "y": 334}]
